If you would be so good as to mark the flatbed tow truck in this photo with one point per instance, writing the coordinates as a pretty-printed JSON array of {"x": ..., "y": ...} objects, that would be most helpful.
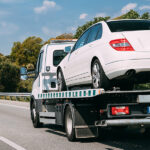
[{"x": 83, "y": 112}]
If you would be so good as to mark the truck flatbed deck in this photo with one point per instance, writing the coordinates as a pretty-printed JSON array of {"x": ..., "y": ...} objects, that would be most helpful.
[{"x": 88, "y": 93}]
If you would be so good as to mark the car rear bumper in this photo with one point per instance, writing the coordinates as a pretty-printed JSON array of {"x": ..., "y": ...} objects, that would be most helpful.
[{"x": 119, "y": 68}]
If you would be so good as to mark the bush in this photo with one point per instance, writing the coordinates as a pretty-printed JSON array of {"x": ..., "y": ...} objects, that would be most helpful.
[{"x": 9, "y": 76}]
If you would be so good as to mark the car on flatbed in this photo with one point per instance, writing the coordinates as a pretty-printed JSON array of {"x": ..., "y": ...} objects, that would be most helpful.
[{"x": 112, "y": 53}]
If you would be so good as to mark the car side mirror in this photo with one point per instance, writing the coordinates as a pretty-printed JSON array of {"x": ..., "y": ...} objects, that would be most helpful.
[
  {"x": 68, "y": 49},
  {"x": 23, "y": 73}
]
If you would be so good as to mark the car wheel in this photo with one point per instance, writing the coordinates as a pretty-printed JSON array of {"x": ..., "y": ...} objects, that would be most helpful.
[
  {"x": 70, "y": 131},
  {"x": 99, "y": 79},
  {"x": 61, "y": 81},
  {"x": 35, "y": 116}
]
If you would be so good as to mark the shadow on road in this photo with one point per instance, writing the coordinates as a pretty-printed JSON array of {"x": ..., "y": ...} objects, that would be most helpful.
[
  {"x": 127, "y": 139},
  {"x": 57, "y": 130}
]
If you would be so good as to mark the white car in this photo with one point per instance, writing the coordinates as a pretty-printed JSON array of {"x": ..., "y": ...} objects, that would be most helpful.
[{"x": 113, "y": 53}]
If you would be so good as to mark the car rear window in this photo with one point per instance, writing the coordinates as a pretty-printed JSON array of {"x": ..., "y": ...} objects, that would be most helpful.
[
  {"x": 128, "y": 25},
  {"x": 58, "y": 55}
]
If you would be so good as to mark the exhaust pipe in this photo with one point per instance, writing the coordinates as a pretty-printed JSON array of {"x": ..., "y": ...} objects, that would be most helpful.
[
  {"x": 130, "y": 73},
  {"x": 123, "y": 122}
]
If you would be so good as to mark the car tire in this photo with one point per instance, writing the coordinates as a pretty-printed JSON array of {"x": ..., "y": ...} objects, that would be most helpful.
[
  {"x": 61, "y": 81},
  {"x": 99, "y": 79},
  {"x": 70, "y": 131},
  {"x": 35, "y": 116}
]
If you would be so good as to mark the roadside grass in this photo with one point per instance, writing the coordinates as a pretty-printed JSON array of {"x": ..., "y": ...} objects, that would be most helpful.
[{"x": 15, "y": 98}]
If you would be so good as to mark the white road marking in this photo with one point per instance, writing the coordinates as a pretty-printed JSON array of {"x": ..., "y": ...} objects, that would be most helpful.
[
  {"x": 12, "y": 144},
  {"x": 9, "y": 105}
]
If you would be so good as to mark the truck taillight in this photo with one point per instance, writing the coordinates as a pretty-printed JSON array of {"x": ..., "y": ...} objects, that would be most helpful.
[
  {"x": 120, "y": 110},
  {"x": 121, "y": 45}
]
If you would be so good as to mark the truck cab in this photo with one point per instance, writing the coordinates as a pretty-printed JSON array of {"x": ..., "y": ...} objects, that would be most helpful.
[{"x": 49, "y": 57}]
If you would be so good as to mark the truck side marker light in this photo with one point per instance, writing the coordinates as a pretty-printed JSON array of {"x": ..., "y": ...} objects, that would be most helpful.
[{"x": 101, "y": 111}]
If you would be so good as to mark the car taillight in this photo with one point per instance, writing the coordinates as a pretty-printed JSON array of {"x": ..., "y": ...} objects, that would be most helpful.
[
  {"x": 120, "y": 110},
  {"x": 121, "y": 45}
]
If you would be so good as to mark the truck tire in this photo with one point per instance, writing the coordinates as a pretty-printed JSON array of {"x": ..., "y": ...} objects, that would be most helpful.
[
  {"x": 70, "y": 131},
  {"x": 99, "y": 79},
  {"x": 35, "y": 116},
  {"x": 61, "y": 81}
]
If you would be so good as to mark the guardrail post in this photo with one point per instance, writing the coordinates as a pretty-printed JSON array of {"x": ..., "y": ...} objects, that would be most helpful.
[{"x": 16, "y": 98}]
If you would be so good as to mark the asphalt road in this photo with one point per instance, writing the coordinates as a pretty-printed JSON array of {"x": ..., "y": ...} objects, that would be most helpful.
[{"x": 17, "y": 132}]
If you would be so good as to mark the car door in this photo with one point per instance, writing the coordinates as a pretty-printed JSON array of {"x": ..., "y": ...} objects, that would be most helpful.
[
  {"x": 73, "y": 66},
  {"x": 37, "y": 85},
  {"x": 83, "y": 55},
  {"x": 89, "y": 52}
]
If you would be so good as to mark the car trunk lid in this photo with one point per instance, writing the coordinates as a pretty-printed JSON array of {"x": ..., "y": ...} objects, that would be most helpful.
[{"x": 140, "y": 40}]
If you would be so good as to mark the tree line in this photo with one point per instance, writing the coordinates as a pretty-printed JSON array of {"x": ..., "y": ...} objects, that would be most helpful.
[{"x": 26, "y": 53}]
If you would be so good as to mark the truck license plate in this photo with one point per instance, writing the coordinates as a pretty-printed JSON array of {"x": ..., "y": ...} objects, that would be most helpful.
[{"x": 144, "y": 99}]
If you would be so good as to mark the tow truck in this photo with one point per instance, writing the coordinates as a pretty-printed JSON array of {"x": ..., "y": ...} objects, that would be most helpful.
[{"x": 82, "y": 112}]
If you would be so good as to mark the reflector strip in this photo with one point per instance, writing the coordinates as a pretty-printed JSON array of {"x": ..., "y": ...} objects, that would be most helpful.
[{"x": 71, "y": 94}]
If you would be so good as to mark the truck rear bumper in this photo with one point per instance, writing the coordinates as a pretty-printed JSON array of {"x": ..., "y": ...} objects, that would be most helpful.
[{"x": 123, "y": 122}]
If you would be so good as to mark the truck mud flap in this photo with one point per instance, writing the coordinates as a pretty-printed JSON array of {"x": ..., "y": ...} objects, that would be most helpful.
[{"x": 86, "y": 131}]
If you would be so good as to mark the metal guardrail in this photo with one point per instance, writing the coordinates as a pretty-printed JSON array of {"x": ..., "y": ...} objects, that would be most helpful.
[{"x": 16, "y": 95}]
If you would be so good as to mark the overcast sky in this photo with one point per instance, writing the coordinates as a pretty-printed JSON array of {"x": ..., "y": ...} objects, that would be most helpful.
[{"x": 20, "y": 19}]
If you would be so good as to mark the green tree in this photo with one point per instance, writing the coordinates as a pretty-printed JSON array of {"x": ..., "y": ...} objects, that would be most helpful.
[
  {"x": 62, "y": 36},
  {"x": 131, "y": 15},
  {"x": 27, "y": 51},
  {"x": 145, "y": 16},
  {"x": 82, "y": 28},
  {"x": 65, "y": 36},
  {"x": 9, "y": 76}
]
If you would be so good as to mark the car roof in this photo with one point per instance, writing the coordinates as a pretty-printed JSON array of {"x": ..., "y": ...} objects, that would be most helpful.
[{"x": 125, "y": 20}]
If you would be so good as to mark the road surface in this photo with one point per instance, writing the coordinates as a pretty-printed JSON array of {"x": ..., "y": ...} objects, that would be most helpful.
[{"x": 17, "y": 132}]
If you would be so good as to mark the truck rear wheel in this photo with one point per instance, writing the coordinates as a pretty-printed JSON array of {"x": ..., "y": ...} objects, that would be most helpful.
[
  {"x": 70, "y": 131},
  {"x": 35, "y": 116}
]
